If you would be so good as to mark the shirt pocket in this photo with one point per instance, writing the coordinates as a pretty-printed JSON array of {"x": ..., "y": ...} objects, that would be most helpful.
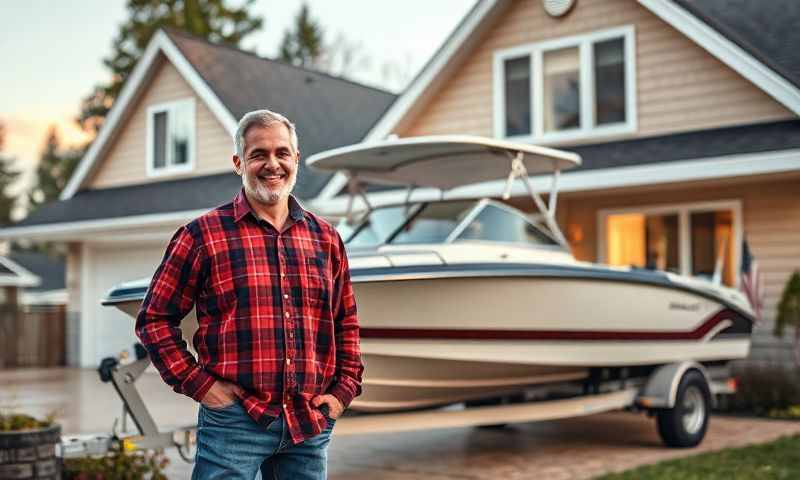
[{"x": 317, "y": 288}]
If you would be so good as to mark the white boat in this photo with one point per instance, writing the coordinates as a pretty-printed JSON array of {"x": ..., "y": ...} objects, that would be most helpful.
[{"x": 469, "y": 300}]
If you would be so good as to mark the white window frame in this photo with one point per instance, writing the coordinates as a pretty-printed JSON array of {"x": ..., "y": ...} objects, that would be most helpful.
[
  {"x": 170, "y": 108},
  {"x": 683, "y": 210},
  {"x": 587, "y": 130}
]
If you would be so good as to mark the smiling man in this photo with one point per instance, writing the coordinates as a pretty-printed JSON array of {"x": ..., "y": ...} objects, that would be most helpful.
[{"x": 278, "y": 342}]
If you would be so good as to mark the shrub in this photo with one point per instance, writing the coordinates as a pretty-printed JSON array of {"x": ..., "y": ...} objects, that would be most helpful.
[
  {"x": 16, "y": 422},
  {"x": 789, "y": 312},
  {"x": 117, "y": 465},
  {"x": 765, "y": 388}
]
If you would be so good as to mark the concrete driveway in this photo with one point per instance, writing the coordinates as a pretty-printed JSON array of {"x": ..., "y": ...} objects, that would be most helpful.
[{"x": 565, "y": 449}]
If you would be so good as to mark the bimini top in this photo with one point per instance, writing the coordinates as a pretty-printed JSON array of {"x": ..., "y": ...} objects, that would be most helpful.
[{"x": 442, "y": 162}]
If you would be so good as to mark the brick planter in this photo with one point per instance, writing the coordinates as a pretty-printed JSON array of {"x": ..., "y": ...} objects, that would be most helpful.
[{"x": 30, "y": 454}]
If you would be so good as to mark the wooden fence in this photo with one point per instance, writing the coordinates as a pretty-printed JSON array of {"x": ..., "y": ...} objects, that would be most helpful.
[{"x": 32, "y": 336}]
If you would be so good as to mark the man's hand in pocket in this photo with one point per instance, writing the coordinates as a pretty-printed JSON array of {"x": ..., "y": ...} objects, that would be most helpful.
[{"x": 221, "y": 394}]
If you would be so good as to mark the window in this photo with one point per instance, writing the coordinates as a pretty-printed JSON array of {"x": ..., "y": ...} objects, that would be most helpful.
[
  {"x": 170, "y": 137},
  {"x": 568, "y": 88},
  {"x": 561, "y": 89},
  {"x": 518, "y": 95},
  {"x": 690, "y": 239}
]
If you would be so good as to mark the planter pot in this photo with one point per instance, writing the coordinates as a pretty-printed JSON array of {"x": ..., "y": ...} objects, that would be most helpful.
[{"x": 30, "y": 454}]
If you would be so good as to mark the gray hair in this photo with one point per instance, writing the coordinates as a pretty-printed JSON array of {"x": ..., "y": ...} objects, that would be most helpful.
[{"x": 263, "y": 118}]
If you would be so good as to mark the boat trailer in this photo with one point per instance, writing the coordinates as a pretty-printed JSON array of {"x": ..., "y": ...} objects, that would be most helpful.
[{"x": 658, "y": 391}]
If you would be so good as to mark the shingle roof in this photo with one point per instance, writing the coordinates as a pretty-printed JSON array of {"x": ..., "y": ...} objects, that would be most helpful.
[
  {"x": 328, "y": 111},
  {"x": 768, "y": 30},
  {"x": 754, "y": 138},
  {"x": 50, "y": 270},
  {"x": 194, "y": 193},
  {"x": 197, "y": 193},
  {"x": 697, "y": 145}
]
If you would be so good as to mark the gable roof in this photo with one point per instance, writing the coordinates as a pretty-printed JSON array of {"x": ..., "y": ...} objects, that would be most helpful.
[
  {"x": 754, "y": 62},
  {"x": 328, "y": 111},
  {"x": 743, "y": 22},
  {"x": 731, "y": 30},
  {"x": 720, "y": 35}
]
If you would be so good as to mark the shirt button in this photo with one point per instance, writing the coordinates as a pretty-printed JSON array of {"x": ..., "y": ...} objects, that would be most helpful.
[
  {"x": 284, "y": 405},
  {"x": 283, "y": 275},
  {"x": 291, "y": 334},
  {"x": 287, "y": 314},
  {"x": 285, "y": 295},
  {"x": 288, "y": 361}
]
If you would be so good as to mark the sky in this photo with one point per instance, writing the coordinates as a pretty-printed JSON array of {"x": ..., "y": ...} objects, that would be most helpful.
[{"x": 51, "y": 53}]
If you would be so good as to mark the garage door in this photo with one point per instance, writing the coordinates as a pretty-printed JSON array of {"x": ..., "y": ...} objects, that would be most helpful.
[{"x": 108, "y": 330}]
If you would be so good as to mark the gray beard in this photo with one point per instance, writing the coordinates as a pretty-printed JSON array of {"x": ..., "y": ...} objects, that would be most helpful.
[{"x": 264, "y": 195}]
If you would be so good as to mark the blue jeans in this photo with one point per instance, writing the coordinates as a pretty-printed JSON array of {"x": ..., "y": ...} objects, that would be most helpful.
[{"x": 230, "y": 445}]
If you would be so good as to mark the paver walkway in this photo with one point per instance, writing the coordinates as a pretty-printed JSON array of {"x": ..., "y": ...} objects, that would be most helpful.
[{"x": 576, "y": 448}]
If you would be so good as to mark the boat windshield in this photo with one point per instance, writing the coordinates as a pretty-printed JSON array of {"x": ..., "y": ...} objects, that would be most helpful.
[
  {"x": 434, "y": 223},
  {"x": 497, "y": 223},
  {"x": 377, "y": 227},
  {"x": 441, "y": 222}
]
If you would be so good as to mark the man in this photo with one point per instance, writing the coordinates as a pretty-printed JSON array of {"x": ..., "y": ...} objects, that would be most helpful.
[{"x": 278, "y": 342}]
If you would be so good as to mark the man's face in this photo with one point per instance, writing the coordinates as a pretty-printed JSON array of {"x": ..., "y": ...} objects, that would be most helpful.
[{"x": 269, "y": 166}]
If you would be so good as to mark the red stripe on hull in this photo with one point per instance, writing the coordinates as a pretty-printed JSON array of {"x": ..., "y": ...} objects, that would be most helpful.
[{"x": 581, "y": 335}]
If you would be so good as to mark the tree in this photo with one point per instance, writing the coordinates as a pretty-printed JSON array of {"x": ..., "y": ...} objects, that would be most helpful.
[
  {"x": 303, "y": 46},
  {"x": 8, "y": 175},
  {"x": 789, "y": 312},
  {"x": 209, "y": 19},
  {"x": 54, "y": 170},
  {"x": 342, "y": 57}
]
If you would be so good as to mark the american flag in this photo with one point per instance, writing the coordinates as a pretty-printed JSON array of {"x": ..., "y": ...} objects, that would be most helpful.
[{"x": 752, "y": 282}]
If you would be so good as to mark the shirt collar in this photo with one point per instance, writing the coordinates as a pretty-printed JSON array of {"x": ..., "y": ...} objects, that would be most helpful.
[{"x": 241, "y": 207}]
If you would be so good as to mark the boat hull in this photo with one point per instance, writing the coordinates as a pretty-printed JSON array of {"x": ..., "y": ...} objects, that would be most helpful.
[{"x": 430, "y": 339}]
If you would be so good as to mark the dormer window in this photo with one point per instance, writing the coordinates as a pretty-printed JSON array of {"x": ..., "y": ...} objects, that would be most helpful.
[
  {"x": 566, "y": 89},
  {"x": 170, "y": 137}
]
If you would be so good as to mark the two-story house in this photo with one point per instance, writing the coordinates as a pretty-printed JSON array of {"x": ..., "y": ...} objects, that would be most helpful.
[
  {"x": 163, "y": 157},
  {"x": 685, "y": 114}
]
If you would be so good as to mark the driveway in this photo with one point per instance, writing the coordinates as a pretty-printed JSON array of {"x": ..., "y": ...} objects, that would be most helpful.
[{"x": 566, "y": 449}]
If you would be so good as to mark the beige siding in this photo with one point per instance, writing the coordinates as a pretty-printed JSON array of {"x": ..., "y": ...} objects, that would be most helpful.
[
  {"x": 124, "y": 162},
  {"x": 680, "y": 86},
  {"x": 770, "y": 211}
]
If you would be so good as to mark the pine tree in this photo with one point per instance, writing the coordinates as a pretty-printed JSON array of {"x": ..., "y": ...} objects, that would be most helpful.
[
  {"x": 54, "y": 170},
  {"x": 8, "y": 175},
  {"x": 209, "y": 19},
  {"x": 302, "y": 46}
]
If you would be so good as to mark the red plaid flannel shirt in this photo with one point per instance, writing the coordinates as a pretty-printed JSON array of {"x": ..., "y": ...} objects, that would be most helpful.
[{"x": 276, "y": 313}]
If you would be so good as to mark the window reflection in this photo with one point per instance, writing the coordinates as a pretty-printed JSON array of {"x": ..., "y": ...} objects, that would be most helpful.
[
  {"x": 380, "y": 224},
  {"x": 160, "y": 139},
  {"x": 497, "y": 224},
  {"x": 518, "y": 96},
  {"x": 609, "y": 81},
  {"x": 712, "y": 242},
  {"x": 181, "y": 132},
  {"x": 434, "y": 223},
  {"x": 562, "y": 95}
]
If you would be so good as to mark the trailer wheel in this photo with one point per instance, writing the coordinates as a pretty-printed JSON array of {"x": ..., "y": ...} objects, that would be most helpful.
[{"x": 686, "y": 423}]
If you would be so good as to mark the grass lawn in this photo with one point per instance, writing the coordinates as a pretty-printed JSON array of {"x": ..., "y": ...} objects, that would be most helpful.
[{"x": 775, "y": 460}]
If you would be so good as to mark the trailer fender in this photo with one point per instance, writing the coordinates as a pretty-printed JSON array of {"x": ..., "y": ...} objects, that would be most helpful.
[{"x": 662, "y": 386}]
